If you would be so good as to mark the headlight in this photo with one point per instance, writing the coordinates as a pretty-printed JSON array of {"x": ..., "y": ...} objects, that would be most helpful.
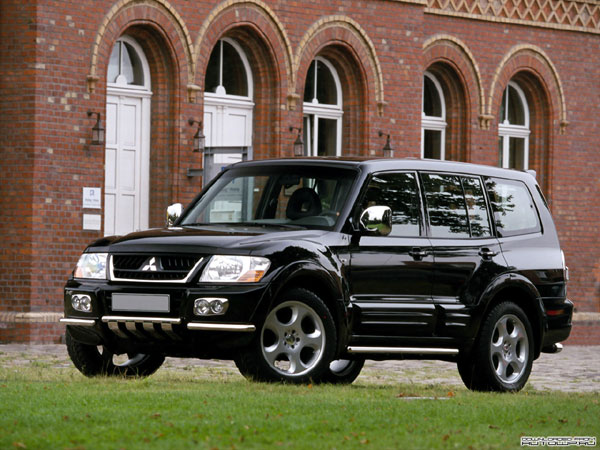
[
  {"x": 235, "y": 269},
  {"x": 91, "y": 265}
]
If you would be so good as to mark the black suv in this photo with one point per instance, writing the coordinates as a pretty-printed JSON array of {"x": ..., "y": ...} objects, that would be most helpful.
[{"x": 299, "y": 269}]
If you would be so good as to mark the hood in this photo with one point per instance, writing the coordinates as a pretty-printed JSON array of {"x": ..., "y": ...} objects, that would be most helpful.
[{"x": 207, "y": 239}]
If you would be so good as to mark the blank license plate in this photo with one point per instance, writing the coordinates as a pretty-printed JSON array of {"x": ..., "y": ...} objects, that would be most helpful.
[{"x": 140, "y": 302}]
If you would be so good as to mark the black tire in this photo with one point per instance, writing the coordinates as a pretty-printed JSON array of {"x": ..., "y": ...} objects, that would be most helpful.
[
  {"x": 92, "y": 361},
  {"x": 295, "y": 344},
  {"x": 503, "y": 354},
  {"x": 343, "y": 371}
]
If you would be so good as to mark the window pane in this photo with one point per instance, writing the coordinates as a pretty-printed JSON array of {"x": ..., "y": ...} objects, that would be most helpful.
[
  {"x": 476, "y": 207},
  {"x": 327, "y": 139},
  {"x": 211, "y": 80},
  {"x": 514, "y": 211},
  {"x": 516, "y": 155},
  {"x": 432, "y": 145},
  {"x": 113, "y": 64},
  {"x": 235, "y": 80},
  {"x": 309, "y": 86},
  {"x": 326, "y": 89},
  {"x": 445, "y": 206},
  {"x": 399, "y": 192},
  {"x": 131, "y": 65},
  {"x": 432, "y": 105},
  {"x": 516, "y": 109}
]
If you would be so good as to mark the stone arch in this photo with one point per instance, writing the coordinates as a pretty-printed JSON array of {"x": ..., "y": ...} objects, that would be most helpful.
[
  {"x": 453, "y": 64},
  {"x": 344, "y": 43},
  {"x": 341, "y": 29},
  {"x": 158, "y": 12},
  {"x": 532, "y": 70},
  {"x": 235, "y": 13},
  {"x": 533, "y": 59}
]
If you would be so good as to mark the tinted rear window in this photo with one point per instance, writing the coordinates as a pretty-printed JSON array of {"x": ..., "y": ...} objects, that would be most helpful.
[{"x": 513, "y": 207}]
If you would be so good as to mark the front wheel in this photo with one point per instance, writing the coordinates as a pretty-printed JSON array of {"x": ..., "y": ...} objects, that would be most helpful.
[
  {"x": 296, "y": 342},
  {"x": 503, "y": 355},
  {"x": 92, "y": 360}
]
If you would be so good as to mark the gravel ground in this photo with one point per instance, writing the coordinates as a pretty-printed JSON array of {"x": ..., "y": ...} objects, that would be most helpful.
[{"x": 575, "y": 369}]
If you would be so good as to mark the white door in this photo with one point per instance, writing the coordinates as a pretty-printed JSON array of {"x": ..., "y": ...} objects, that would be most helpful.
[{"x": 126, "y": 165}]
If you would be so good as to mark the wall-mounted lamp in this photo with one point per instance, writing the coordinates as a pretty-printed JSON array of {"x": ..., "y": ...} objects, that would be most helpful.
[
  {"x": 298, "y": 144},
  {"x": 97, "y": 130},
  {"x": 388, "y": 152},
  {"x": 199, "y": 138}
]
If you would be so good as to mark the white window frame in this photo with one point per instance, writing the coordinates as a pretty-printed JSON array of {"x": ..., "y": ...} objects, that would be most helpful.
[
  {"x": 124, "y": 88},
  {"x": 434, "y": 123},
  {"x": 323, "y": 111},
  {"x": 507, "y": 130}
]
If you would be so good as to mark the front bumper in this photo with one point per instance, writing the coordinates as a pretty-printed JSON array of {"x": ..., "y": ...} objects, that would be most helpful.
[{"x": 178, "y": 332}]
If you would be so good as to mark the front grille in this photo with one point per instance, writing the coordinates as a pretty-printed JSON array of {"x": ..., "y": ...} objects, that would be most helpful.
[{"x": 126, "y": 267}]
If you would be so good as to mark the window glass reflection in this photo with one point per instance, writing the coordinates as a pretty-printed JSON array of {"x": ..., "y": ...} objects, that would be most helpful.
[{"x": 445, "y": 206}]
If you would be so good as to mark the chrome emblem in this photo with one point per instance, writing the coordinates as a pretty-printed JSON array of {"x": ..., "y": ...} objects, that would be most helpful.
[{"x": 150, "y": 266}]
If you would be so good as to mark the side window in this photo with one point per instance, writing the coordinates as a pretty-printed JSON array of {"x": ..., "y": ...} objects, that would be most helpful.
[
  {"x": 513, "y": 207},
  {"x": 445, "y": 206},
  {"x": 399, "y": 192},
  {"x": 479, "y": 221}
]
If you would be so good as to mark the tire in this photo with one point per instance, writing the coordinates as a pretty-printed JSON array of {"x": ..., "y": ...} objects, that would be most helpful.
[
  {"x": 503, "y": 354},
  {"x": 295, "y": 344},
  {"x": 343, "y": 371},
  {"x": 92, "y": 361}
]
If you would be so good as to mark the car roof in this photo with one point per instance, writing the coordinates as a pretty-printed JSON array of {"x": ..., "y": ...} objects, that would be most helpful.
[{"x": 387, "y": 164}]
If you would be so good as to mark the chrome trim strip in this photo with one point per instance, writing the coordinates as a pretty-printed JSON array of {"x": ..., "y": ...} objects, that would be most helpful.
[
  {"x": 221, "y": 327},
  {"x": 184, "y": 280},
  {"x": 411, "y": 350},
  {"x": 80, "y": 322},
  {"x": 127, "y": 319}
]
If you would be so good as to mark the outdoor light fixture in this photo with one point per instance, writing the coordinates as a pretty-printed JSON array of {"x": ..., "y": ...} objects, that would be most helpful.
[
  {"x": 388, "y": 152},
  {"x": 298, "y": 144},
  {"x": 97, "y": 130},
  {"x": 199, "y": 138}
]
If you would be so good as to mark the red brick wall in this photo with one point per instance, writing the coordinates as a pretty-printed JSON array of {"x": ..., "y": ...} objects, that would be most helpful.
[{"x": 46, "y": 156}]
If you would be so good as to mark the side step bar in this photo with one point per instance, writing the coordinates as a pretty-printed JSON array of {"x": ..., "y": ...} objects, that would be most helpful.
[{"x": 406, "y": 350}]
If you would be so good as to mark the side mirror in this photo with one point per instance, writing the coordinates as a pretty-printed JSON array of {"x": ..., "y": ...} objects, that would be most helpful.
[
  {"x": 376, "y": 220},
  {"x": 173, "y": 213}
]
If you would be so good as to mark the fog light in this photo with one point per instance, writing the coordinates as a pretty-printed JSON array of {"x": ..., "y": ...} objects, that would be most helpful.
[
  {"x": 81, "y": 302},
  {"x": 210, "y": 306},
  {"x": 217, "y": 307}
]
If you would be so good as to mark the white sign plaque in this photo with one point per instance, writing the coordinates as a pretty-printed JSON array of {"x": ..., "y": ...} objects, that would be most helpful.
[
  {"x": 92, "y": 222},
  {"x": 92, "y": 198}
]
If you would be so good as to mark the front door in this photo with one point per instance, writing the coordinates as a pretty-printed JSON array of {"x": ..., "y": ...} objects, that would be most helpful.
[{"x": 391, "y": 276}]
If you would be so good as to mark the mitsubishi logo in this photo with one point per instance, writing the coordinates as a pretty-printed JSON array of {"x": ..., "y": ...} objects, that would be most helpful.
[{"x": 150, "y": 265}]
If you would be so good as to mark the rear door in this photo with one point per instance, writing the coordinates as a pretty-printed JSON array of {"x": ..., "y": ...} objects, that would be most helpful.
[
  {"x": 467, "y": 255},
  {"x": 391, "y": 276}
]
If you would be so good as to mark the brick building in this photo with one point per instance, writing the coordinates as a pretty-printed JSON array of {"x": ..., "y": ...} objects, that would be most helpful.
[{"x": 505, "y": 82}]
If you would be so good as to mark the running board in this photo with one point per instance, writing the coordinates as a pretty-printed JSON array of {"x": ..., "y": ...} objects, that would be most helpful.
[{"x": 406, "y": 350}]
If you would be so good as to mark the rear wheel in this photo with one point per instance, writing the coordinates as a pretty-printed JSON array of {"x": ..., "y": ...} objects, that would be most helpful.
[
  {"x": 296, "y": 342},
  {"x": 343, "y": 371},
  {"x": 503, "y": 355},
  {"x": 92, "y": 360}
]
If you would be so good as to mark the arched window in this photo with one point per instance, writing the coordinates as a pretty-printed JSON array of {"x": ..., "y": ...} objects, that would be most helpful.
[
  {"x": 127, "y": 66},
  {"x": 228, "y": 107},
  {"x": 513, "y": 129},
  {"x": 322, "y": 110},
  {"x": 433, "y": 119}
]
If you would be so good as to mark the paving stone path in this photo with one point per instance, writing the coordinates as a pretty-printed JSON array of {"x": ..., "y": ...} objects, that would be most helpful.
[{"x": 575, "y": 369}]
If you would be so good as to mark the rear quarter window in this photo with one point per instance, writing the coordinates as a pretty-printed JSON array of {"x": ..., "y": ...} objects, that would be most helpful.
[{"x": 513, "y": 207}]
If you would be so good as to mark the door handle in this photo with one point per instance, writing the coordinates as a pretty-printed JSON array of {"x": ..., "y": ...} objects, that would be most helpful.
[
  {"x": 487, "y": 254},
  {"x": 417, "y": 253}
]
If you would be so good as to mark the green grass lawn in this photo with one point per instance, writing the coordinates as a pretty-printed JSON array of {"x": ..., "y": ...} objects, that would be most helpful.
[{"x": 47, "y": 407}]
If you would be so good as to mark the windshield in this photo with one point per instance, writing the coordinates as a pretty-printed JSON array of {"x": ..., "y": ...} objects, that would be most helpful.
[{"x": 307, "y": 197}]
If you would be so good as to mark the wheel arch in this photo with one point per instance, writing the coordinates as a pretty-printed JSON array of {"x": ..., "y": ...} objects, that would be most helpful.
[
  {"x": 522, "y": 292},
  {"x": 316, "y": 279}
]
